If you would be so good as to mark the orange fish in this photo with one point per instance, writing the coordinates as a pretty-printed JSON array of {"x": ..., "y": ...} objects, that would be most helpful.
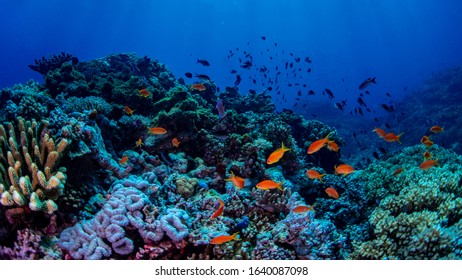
[
  {"x": 123, "y": 160},
  {"x": 391, "y": 137},
  {"x": 428, "y": 164},
  {"x": 144, "y": 93},
  {"x": 436, "y": 129},
  {"x": 198, "y": 87},
  {"x": 237, "y": 181},
  {"x": 331, "y": 145},
  {"x": 175, "y": 142},
  {"x": 277, "y": 155},
  {"x": 398, "y": 171},
  {"x": 332, "y": 193},
  {"x": 313, "y": 174},
  {"x": 318, "y": 144},
  {"x": 303, "y": 208},
  {"x": 223, "y": 239},
  {"x": 427, "y": 155},
  {"x": 157, "y": 130},
  {"x": 138, "y": 143},
  {"x": 128, "y": 111},
  {"x": 428, "y": 143},
  {"x": 424, "y": 138},
  {"x": 219, "y": 211},
  {"x": 380, "y": 132},
  {"x": 344, "y": 169},
  {"x": 268, "y": 185}
]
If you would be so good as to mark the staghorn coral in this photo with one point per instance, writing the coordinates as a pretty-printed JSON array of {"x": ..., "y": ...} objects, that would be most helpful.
[{"x": 30, "y": 170}]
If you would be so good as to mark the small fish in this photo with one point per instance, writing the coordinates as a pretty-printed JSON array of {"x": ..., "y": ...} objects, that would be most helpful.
[
  {"x": 198, "y": 87},
  {"x": 367, "y": 82},
  {"x": 329, "y": 93},
  {"x": 175, "y": 142},
  {"x": 202, "y": 77},
  {"x": 311, "y": 92},
  {"x": 380, "y": 132},
  {"x": 269, "y": 185},
  {"x": 388, "y": 108},
  {"x": 138, "y": 143},
  {"x": 203, "y": 62},
  {"x": 427, "y": 155},
  {"x": 332, "y": 193},
  {"x": 188, "y": 75},
  {"x": 391, "y": 137},
  {"x": 237, "y": 181},
  {"x": 128, "y": 110},
  {"x": 223, "y": 239},
  {"x": 428, "y": 143},
  {"x": 332, "y": 146},
  {"x": 436, "y": 129},
  {"x": 344, "y": 169},
  {"x": 429, "y": 163},
  {"x": 398, "y": 171},
  {"x": 303, "y": 209},
  {"x": 220, "y": 108},
  {"x": 318, "y": 144},
  {"x": 277, "y": 155},
  {"x": 144, "y": 93},
  {"x": 315, "y": 175},
  {"x": 123, "y": 160},
  {"x": 263, "y": 38},
  {"x": 219, "y": 211},
  {"x": 157, "y": 130},
  {"x": 238, "y": 80}
]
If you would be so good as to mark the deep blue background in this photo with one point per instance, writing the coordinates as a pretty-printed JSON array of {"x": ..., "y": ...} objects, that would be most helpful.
[{"x": 402, "y": 42}]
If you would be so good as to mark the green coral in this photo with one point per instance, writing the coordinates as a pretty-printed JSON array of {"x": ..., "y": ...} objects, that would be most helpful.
[{"x": 420, "y": 211}]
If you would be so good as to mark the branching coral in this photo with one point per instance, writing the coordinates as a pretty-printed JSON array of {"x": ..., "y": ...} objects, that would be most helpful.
[{"x": 30, "y": 170}]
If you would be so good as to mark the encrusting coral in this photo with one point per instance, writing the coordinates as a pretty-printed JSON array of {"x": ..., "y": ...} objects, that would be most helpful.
[{"x": 29, "y": 165}]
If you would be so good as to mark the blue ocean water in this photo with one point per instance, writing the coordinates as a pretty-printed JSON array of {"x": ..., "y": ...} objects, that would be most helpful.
[{"x": 400, "y": 42}]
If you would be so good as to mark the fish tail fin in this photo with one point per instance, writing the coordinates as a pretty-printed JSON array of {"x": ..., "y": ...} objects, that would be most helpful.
[
  {"x": 280, "y": 186},
  {"x": 399, "y": 138},
  {"x": 373, "y": 80},
  {"x": 234, "y": 235},
  {"x": 320, "y": 178},
  {"x": 327, "y": 137},
  {"x": 284, "y": 148}
]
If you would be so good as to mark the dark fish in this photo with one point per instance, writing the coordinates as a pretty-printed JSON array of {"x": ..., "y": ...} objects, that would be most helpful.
[
  {"x": 361, "y": 102},
  {"x": 247, "y": 64},
  {"x": 270, "y": 88},
  {"x": 297, "y": 59},
  {"x": 329, "y": 93},
  {"x": 263, "y": 38},
  {"x": 339, "y": 106},
  {"x": 311, "y": 92},
  {"x": 188, "y": 75},
  {"x": 376, "y": 155},
  {"x": 252, "y": 91},
  {"x": 354, "y": 134},
  {"x": 233, "y": 71},
  {"x": 382, "y": 150},
  {"x": 387, "y": 125},
  {"x": 309, "y": 70},
  {"x": 367, "y": 92},
  {"x": 203, "y": 62},
  {"x": 299, "y": 93},
  {"x": 367, "y": 82},
  {"x": 307, "y": 59},
  {"x": 238, "y": 80},
  {"x": 388, "y": 94},
  {"x": 202, "y": 77},
  {"x": 388, "y": 108},
  {"x": 360, "y": 111}
]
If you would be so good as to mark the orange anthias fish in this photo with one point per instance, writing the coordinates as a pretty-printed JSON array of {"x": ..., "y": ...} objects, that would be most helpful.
[
  {"x": 436, "y": 129},
  {"x": 426, "y": 141},
  {"x": 344, "y": 169},
  {"x": 331, "y": 145},
  {"x": 398, "y": 171},
  {"x": 313, "y": 174},
  {"x": 175, "y": 142},
  {"x": 303, "y": 208},
  {"x": 380, "y": 132},
  {"x": 268, "y": 185},
  {"x": 429, "y": 163},
  {"x": 123, "y": 160},
  {"x": 277, "y": 155},
  {"x": 237, "y": 181},
  {"x": 332, "y": 193},
  {"x": 157, "y": 130},
  {"x": 138, "y": 143},
  {"x": 128, "y": 110},
  {"x": 391, "y": 137},
  {"x": 219, "y": 211},
  {"x": 198, "y": 87},
  {"x": 318, "y": 144},
  {"x": 144, "y": 93},
  {"x": 427, "y": 155},
  {"x": 223, "y": 239}
]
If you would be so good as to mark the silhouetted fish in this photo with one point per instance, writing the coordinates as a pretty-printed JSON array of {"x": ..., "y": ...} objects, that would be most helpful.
[
  {"x": 329, "y": 93},
  {"x": 203, "y": 62},
  {"x": 188, "y": 75},
  {"x": 367, "y": 82}
]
